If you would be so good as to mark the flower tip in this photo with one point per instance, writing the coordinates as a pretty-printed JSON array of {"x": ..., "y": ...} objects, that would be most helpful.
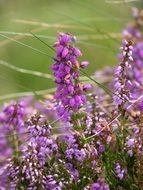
[
  {"x": 73, "y": 39},
  {"x": 84, "y": 64}
]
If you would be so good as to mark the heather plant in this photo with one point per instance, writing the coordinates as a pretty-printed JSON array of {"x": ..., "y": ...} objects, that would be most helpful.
[{"x": 85, "y": 136}]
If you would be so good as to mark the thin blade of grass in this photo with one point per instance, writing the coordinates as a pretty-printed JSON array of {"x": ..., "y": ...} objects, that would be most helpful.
[
  {"x": 24, "y": 94},
  {"x": 50, "y": 47},
  {"x": 26, "y": 34},
  {"x": 25, "y": 45},
  {"x": 21, "y": 70},
  {"x": 21, "y": 86},
  {"x": 96, "y": 82},
  {"x": 18, "y": 36},
  {"x": 31, "y": 72},
  {"x": 46, "y": 25}
]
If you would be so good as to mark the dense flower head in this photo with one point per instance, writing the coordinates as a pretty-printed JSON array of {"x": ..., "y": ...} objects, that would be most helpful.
[
  {"x": 13, "y": 114},
  {"x": 12, "y": 132},
  {"x": 121, "y": 82},
  {"x": 133, "y": 32},
  {"x": 136, "y": 74},
  {"x": 70, "y": 92},
  {"x": 11, "y": 127},
  {"x": 39, "y": 147}
]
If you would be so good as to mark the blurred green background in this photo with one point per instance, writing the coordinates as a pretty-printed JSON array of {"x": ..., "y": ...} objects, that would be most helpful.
[{"x": 96, "y": 23}]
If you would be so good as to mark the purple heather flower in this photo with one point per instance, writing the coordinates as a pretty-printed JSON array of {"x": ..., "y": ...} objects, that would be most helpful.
[
  {"x": 84, "y": 64},
  {"x": 135, "y": 12},
  {"x": 136, "y": 130},
  {"x": 121, "y": 82},
  {"x": 37, "y": 150},
  {"x": 130, "y": 144},
  {"x": 51, "y": 183},
  {"x": 73, "y": 38},
  {"x": 13, "y": 114},
  {"x": 69, "y": 139},
  {"x": 3, "y": 176},
  {"x": 64, "y": 39},
  {"x": 74, "y": 174},
  {"x": 80, "y": 155},
  {"x": 101, "y": 148},
  {"x": 120, "y": 173},
  {"x": 70, "y": 93},
  {"x": 99, "y": 185},
  {"x": 69, "y": 153},
  {"x": 89, "y": 122},
  {"x": 131, "y": 31},
  {"x": 87, "y": 87},
  {"x": 12, "y": 131}
]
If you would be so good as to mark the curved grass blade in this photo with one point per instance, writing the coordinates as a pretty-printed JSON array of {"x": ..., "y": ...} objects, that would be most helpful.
[
  {"x": 50, "y": 47},
  {"x": 25, "y": 45},
  {"x": 27, "y": 34},
  {"x": 21, "y": 70},
  {"x": 99, "y": 84},
  {"x": 22, "y": 86},
  {"x": 46, "y": 25},
  {"x": 23, "y": 94},
  {"x": 31, "y": 72}
]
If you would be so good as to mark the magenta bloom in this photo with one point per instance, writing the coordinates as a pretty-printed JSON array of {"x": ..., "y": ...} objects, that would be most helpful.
[
  {"x": 70, "y": 92},
  {"x": 99, "y": 185},
  {"x": 120, "y": 173}
]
